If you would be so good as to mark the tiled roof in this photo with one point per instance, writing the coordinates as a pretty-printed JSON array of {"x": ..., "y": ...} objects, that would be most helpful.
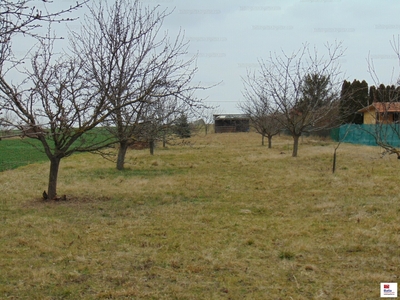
[{"x": 382, "y": 107}]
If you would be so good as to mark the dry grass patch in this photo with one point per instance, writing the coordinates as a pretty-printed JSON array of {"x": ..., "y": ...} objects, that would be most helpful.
[{"x": 217, "y": 218}]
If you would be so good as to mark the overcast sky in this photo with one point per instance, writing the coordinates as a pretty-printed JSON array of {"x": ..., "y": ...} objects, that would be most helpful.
[{"x": 231, "y": 35}]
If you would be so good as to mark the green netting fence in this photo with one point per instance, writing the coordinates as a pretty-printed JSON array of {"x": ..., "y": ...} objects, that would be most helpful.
[{"x": 368, "y": 134}]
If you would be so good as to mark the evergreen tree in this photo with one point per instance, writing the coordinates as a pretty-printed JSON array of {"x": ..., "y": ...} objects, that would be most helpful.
[
  {"x": 344, "y": 106},
  {"x": 315, "y": 91},
  {"x": 182, "y": 127},
  {"x": 384, "y": 93},
  {"x": 381, "y": 93},
  {"x": 360, "y": 99},
  {"x": 354, "y": 96},
  {"x": 372, "y": 94}
]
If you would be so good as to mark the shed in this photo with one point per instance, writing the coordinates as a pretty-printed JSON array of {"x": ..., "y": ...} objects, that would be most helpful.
[
  {"x": 231, "y": 123},
  {"x": 381, "y": 113}
]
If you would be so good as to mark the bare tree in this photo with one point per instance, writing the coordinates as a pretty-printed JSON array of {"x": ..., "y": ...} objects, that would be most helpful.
[
  {"x": 131, "y": 60},
  {"x": 207, "y": 116},
  {"x": 305, "y": 107},
  {"x": 384, "y": 112},
  {"x": 158, "y": 119},
  {"x": 56, "y": 106},
  {"x": 263, "y": 118},
  {"x": 37, "y": 105}
]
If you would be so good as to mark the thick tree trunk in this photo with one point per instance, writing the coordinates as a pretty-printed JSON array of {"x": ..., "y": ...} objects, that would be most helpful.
[
  {"x": 123, "y": 147},
  {"x": 262, "y": 140},
  {"x": 269, "y": 142},
  {"x": 52, "y": 187},
  {"x": 295, "y": 145},
  {"x": 151, "y": 145},
  {"x": 164, "y": 140}
]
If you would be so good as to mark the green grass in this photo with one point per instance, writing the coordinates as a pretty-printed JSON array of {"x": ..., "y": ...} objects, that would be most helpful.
[
  {"x": 16, "y": 152},
  {"x": 219, "y": 218}
]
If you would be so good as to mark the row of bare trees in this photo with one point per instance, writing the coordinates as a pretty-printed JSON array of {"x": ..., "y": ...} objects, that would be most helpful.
[
  {"x": 303, "y": 92},
  {"x": 297, "y": 92},
  {"x": 121, "y": 74}
]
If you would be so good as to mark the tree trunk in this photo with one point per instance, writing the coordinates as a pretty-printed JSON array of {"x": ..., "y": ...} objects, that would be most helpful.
[
  {"x": 334, "y": 162},
  {"x": 123, "y": 147},
  {"x": 52, "y": 187},
  {"x": 295, "y": 145},
  {"x": 151, "y": 144},
  {"x": 164, "y": 140},
  {"x": 269, "y": 142},
  {"x": 262, "y": 140}
]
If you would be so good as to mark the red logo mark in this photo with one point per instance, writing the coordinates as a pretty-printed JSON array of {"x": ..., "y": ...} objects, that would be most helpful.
[{"x": 386, "y": 286}]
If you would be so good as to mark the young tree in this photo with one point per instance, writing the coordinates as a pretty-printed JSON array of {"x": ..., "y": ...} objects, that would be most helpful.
[
  {"x": 132, "y": 61},
  {"x": 262, "y": 116},
  {"x": 303, "y": 88},
  {"x": 159, "y": 118},
  {"x": 207, "y": 116},
  {"x": 268, "y": 126},
  {"x": 182, "y": 127}
]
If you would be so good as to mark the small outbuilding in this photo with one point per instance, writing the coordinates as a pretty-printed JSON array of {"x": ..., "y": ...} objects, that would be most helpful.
[
  {"x": 231, "y": 123},
  {"x": 381, "y": 113}
]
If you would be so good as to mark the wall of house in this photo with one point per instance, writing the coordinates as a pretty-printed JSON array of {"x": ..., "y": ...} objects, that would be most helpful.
[
  {"x": 370, "y": 116},
  {"x": 385, "y": 118}
]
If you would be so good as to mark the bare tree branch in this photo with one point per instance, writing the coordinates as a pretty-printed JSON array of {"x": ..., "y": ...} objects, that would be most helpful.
[
  {"x": 23, "y": 17},
  {"x": 303, "y": 87},
  {"x": 58, "y": 107},
  {"x": 133, "y": 64}
]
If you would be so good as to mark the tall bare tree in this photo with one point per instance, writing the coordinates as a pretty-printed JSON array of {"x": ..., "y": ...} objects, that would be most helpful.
[
  {"x": 283, "y": 80},
  {"x": 132, "y": 60}
]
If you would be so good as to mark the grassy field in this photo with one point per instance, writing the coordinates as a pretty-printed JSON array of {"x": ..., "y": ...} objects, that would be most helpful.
[
  {"x": 219, "y": 218},
  {"x": 16, "y": 152}
]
